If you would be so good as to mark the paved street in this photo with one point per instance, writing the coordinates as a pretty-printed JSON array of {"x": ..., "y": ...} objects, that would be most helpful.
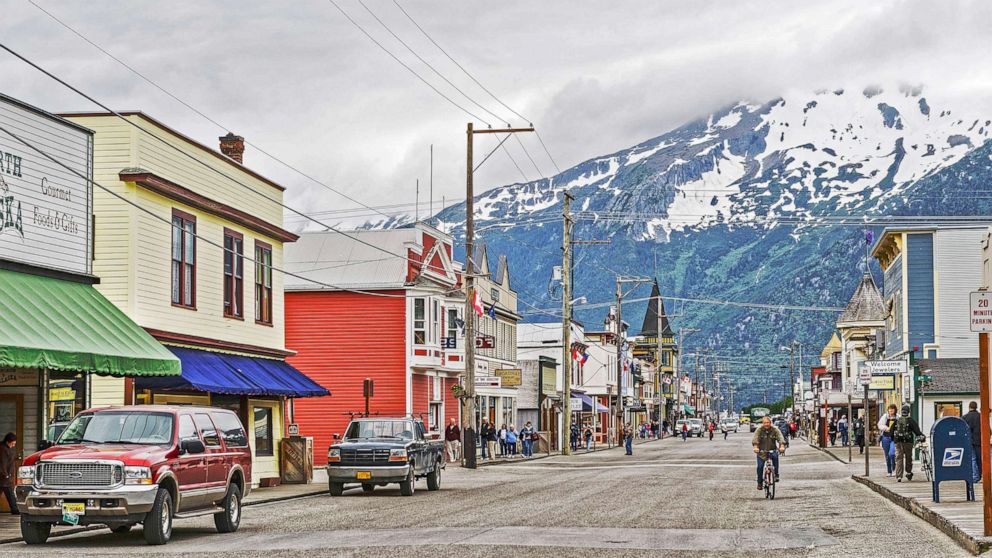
[{"x": 695, "y": 498}]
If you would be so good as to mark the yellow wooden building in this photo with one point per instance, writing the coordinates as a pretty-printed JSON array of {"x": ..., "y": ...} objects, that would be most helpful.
[{"x": 187, "y": 243}]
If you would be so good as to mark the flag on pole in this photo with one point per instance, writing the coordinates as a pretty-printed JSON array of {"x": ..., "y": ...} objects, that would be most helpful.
[
  {"x": 579, "y": 356},
  {"x": 869, "y": 237},
  {"x": 477, "y": 303},
  {"x": 492, "y": 311}
]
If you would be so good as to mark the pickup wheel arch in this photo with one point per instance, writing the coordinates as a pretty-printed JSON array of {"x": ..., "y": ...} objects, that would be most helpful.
[
  {"x": 168, "y": 482},
  {"x": 237, "y": 478}
]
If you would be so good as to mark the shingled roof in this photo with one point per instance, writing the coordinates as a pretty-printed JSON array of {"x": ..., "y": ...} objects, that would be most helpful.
[
  {"x": 656, "y": 308},
  {"x": 865, "y": 306},
  {"x": 951, "y": 375}
]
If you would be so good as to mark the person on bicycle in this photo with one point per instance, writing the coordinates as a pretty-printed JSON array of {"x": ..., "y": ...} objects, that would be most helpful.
[{"x": 767, "y": 440}]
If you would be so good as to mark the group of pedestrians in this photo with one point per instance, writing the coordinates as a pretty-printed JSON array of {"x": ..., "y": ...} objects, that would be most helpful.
[
  {"x": 510, "y": 441},
  {"x": 899, "y": 435},
  {"x": 578, "y": 437}
]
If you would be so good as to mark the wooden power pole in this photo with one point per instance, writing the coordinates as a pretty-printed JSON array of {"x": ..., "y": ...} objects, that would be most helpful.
[
  {"x": 566, "y": 323},
  {"x": 468, "y": 397}
]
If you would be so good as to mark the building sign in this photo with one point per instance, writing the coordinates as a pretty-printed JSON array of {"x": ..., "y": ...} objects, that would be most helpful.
[
  {"x": 576, "y": 404},
  {"x": 294, "y": 429},
  {"x": 485, "y": 342},
  {"x": 62, "y": 394},
  {"x": 481, "y": 368},
  {"x": 44, "y": 208},
  {"x": 18, "y": 377},
  {"x": 884, "y": 367},
  {"x": 883, "y": 382},
  {"x": 980, "y": 311},
  {"x": 510, "y": 376},
  {"x": 449, "y": 342},
  {"x": 549, "y": 384},
  {"x": 488, "y": 382}
]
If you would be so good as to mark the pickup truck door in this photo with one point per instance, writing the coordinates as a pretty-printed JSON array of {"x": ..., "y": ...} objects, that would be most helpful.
[
  {"x": 422, "y": 456},
  {"x": 190, "y": 469}
]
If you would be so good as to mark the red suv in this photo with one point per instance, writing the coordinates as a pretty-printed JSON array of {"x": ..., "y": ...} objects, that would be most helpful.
[{"x": 121, "y": 466}]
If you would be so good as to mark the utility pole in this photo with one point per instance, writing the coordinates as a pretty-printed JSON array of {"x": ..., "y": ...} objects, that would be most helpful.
[
  {"x": 792, "y": 380},
  {"x": 468, "y": 397},
  {"x": 566, "y": 323}
]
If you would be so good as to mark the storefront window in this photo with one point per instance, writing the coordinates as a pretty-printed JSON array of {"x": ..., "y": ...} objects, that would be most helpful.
[
  {"x": 947, "y": 409},
  {"x": 263, "y": 430},
  {"x": 66, "y": 395}
]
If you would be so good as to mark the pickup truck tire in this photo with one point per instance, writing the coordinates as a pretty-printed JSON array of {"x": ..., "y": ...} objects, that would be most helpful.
[
  {"x": 228, "y": 520},
  {"x": 367, "y": 487},
  {"x": 34, "y": 532},
  {"x": 408, "y": 487},
  {"x": 158, "y": 522},
  {"x": 434, "y": 478},
  {"x": 335, "y": 488}
]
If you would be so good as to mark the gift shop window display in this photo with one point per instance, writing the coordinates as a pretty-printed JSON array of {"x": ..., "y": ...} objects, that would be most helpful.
[{"x": 66, "y": 398}]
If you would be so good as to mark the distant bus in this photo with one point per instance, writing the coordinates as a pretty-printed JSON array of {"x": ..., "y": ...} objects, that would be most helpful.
[{"x": 757, "y": 413}]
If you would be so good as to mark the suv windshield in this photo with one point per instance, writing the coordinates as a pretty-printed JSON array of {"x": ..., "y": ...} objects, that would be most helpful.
[
  {"x": 127, "y": 427},
  {"x": 402, "y": 429}
]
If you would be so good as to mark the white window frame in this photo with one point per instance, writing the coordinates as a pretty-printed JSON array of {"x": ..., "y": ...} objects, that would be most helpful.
[
  {"x": 422, "y": 321},
  {"x": 451, "y": 328}
]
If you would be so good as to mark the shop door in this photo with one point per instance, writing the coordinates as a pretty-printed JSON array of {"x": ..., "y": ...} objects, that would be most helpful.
[{"x": 12, "y": 420}]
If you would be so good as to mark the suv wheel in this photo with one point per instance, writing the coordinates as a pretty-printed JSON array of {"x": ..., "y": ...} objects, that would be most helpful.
[
  {"x": 35, "y": 532},
  {"x": 407, "y": 487},
  {"x": 335, "y": 488},
  {"x": 158, "y": 522},
  {"x": 228, "y": 520},
  {"x": 434, "y": 478}
]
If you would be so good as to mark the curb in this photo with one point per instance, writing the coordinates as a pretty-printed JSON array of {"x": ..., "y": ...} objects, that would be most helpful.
[
  {"x": 480, "y": 463},
  {"x": 975, "y": 545},
  {"x": 60, "y": 533},
  {"x": 831, "y": 454},
  {"x": 286, "y": 497}
]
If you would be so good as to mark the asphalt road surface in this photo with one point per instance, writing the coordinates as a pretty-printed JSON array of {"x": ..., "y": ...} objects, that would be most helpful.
[{"x": 696, "y": 498}]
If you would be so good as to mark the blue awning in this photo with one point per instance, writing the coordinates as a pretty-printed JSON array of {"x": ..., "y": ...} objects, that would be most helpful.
[
  {"x": 587, "y": 404},
  {"x": 235, "y": 375}
]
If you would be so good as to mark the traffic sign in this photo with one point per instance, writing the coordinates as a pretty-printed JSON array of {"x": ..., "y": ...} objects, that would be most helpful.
[
  {"x": 980, "y": 311},
  {"x": 864, "y": 374}
]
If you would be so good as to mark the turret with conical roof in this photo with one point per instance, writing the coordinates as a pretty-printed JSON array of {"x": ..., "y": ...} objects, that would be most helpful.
[
  {"x": 866, "y": 307},
  {"x": 656, "y": 315}
]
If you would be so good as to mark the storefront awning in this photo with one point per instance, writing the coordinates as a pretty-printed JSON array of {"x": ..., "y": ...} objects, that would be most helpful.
[
  {"x": 236, "y": 375},
  {"x": 57, "y": 324},
  {"x": 587, "y": 404},
  {"x": 688, "y": 409}
]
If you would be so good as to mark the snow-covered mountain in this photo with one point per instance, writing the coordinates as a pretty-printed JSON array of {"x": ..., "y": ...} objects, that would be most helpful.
[{"x": 731, "y": 207}]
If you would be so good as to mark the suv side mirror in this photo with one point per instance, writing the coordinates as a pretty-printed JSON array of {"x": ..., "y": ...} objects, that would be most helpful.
[
  {"x": 191, "y": 445},
  {"x": 337, "y": 436},
  {"x": 45, "y": 444}
]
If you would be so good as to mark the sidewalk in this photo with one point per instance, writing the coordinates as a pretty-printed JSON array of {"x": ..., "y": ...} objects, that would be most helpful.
[
  {"x": 954, "y": 515},
  {"x": 518, "y": 458},
  {"x": 10, "y": 528}
]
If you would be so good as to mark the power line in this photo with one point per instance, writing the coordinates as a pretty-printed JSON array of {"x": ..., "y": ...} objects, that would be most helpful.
[{"x": 176, "y": 98}]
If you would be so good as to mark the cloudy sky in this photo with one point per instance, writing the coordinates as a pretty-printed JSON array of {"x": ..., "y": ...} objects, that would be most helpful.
[{"x": 303, "y": 83}]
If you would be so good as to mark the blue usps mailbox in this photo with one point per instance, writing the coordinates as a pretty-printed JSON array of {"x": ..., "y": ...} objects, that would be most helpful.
[{"x": 950, "y": 440}]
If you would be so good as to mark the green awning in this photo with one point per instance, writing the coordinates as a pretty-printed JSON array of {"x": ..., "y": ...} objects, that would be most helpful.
[
  {"x": 64, "y": 325},
  {"x": 688, "y": 409}
]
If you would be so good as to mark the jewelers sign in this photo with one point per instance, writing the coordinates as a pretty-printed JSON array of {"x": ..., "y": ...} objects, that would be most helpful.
[{"x": 45, "y": 205}]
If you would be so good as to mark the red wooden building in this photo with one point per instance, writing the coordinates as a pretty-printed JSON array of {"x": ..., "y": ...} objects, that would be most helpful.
[{"x": 391, "y": 332}]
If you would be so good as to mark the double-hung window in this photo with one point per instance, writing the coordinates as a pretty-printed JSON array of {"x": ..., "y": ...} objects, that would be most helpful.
[
  {"x": 263, "y": 283},
  {"x": 451, "y": 325},
  {"x": 183, "y": 259},
  {"x": 435, "y": 321},
  {"x": 234, "y": 272},
  {"x": 420, "y": 321}
]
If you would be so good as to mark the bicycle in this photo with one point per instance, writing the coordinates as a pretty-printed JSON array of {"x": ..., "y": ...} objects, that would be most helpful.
[
  {"x": 926, "y": 460},
  {"x": 768, "y": 475}
]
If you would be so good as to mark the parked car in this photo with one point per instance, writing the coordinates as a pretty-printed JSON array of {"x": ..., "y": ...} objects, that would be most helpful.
[
  {"x": 380, "y": 451},
  {"x": 121, "y": 466}
]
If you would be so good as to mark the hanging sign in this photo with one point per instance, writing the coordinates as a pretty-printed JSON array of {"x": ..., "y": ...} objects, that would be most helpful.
[{"x": 488, "y": 381}]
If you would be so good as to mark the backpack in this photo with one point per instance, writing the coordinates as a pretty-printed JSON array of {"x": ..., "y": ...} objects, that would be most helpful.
[{"x": 902, "y": 431}]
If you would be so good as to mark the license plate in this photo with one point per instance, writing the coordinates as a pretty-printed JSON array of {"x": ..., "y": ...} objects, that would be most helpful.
[
  {"x": 75, "y": 509},
  {"x": 363, "y": 475}
]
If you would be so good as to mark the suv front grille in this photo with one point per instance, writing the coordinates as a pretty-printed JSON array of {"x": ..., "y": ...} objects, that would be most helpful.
[
  {"x": 57, "y": 474},
  {"x": 364, "y": 456}
]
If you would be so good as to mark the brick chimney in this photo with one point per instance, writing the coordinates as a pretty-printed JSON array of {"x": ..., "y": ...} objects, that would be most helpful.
[{"x": 233, "y": 146}]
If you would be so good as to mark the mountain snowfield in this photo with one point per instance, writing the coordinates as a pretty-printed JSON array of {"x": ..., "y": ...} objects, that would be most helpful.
[{"x": 736, "y": 206}]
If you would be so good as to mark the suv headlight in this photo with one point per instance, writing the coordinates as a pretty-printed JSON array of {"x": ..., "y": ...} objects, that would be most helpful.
[
  {"x": 137, "y": 475},
  {"x": 397, "y": 455},
  {"x": 333, "y": 454},
  {"x": 25, "y": 475}
]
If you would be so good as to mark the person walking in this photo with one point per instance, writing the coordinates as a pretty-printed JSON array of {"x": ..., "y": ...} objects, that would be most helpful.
[
  {"x": 488, "y": 434},
  {"x": 8, "y": 470},
  {"x": 859, "y": 434},
  {"x": 904, "y": 435},
  {"x": 784, "y": 429},
  {"x": 588, "y": 437},
  {"x": 511, "y": 442},
  {"x": 843, "y": 430},
  {"x": 453, "y": 441},
  {"x": 974, "y": 420},
  {"x": 628, "y": 439},
  {"x": 711, "y": 428},
  {"x": 832, "y": 431},
  {"x": 725, "y": 430},
  {"x": 502, "y": 441},
  {"x": 527, "y": 439},
  {"x": 685, "y": 430},
  {"x": 573, "y": 437},
  {"x": 885, "y": 425}
]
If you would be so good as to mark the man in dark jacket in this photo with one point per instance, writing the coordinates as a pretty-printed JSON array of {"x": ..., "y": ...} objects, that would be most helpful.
[
  {"x": 974, "y": 420},
  {"x": 489, "y": 436},
  {"x": 904, "y": 434},
  {"x": 8, "y": 471},
  {"x": 453, "y": 441}
]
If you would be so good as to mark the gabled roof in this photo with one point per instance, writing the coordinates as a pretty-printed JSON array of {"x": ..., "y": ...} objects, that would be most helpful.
[
  {"x": 951, "y": 375},
  {"x": 481, "y": 259},
  {"x": 865, "y": 307},
  {"x": 833, "y": 346},
  {"x": 656, "y": 312},
  {"x": 502, "y": 272},
  {"x": 331, "y": 258}
]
